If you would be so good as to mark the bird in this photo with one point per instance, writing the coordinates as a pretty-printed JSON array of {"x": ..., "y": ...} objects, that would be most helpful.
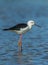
[{"x": 21, "y": 28}]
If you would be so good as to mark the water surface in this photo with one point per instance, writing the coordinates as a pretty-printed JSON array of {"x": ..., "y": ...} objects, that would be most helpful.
[{"x": 34, "y": 42}]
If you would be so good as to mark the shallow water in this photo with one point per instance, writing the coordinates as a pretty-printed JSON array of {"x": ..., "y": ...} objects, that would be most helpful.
[{"x": 34, "y": 42}]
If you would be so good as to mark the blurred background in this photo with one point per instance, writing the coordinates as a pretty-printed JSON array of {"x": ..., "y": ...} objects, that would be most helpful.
[{"x": 34, "y": 42}]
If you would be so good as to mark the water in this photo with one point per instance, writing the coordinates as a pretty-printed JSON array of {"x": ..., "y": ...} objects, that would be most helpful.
[{"x": 34, "y": 42}]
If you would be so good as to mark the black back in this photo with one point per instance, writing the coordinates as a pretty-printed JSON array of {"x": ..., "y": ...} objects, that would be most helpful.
[{"x": 17, "y": 27}]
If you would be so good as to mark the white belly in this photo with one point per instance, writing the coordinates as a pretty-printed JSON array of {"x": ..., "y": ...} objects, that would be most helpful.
[{"x": 21, "y": 31}]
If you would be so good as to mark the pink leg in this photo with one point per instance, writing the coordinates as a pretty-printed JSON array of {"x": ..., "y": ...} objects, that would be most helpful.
[
  {"x": 20, "y": 43},
  {"x": 20, "y": 37}
]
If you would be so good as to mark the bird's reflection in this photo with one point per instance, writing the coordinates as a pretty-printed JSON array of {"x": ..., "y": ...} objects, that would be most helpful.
[
  {"x": 17, "y": 57},
  {"x": 20, "y": 57}
]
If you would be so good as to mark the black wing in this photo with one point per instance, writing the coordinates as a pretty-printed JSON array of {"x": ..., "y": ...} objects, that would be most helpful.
[{"x": 17, "y": 27}]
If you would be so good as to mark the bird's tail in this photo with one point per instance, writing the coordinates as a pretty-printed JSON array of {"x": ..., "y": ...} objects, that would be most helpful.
[{"x": 5, "y": 29}]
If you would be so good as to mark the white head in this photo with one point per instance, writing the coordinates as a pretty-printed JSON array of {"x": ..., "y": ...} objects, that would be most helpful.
[{"x": 30, "y": 23}]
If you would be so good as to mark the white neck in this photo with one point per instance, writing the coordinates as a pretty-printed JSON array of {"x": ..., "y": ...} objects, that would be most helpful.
[{"x": 30, "y": 26}]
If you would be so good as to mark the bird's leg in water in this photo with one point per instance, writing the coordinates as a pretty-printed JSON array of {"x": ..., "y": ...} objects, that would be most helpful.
[{"x": 20, "y": 43}]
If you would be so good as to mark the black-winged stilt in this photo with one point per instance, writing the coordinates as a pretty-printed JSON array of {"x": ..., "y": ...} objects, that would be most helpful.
[{"x": 22, "y": 28}]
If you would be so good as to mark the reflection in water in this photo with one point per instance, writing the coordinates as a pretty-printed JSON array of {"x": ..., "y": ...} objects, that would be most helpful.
[
  {"x": 17, "y": 57},
  {"x": 20, "y": 58}
]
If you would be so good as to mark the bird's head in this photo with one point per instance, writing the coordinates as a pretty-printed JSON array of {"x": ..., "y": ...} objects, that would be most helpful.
[{"x": 30, "y": 23}]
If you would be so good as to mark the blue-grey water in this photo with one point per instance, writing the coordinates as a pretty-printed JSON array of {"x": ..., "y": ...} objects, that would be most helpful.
[{"x": 34, "y": 42}]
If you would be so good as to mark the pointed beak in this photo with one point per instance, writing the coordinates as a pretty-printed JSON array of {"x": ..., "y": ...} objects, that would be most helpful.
[{"x": 37, "y": 25}]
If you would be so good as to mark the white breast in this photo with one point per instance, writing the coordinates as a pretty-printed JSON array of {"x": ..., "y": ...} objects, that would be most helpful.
[{"x": 22, "y": 30}]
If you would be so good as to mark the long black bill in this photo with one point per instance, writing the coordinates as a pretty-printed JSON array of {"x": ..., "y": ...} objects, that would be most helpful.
[{"x": 37, "y": 25}]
